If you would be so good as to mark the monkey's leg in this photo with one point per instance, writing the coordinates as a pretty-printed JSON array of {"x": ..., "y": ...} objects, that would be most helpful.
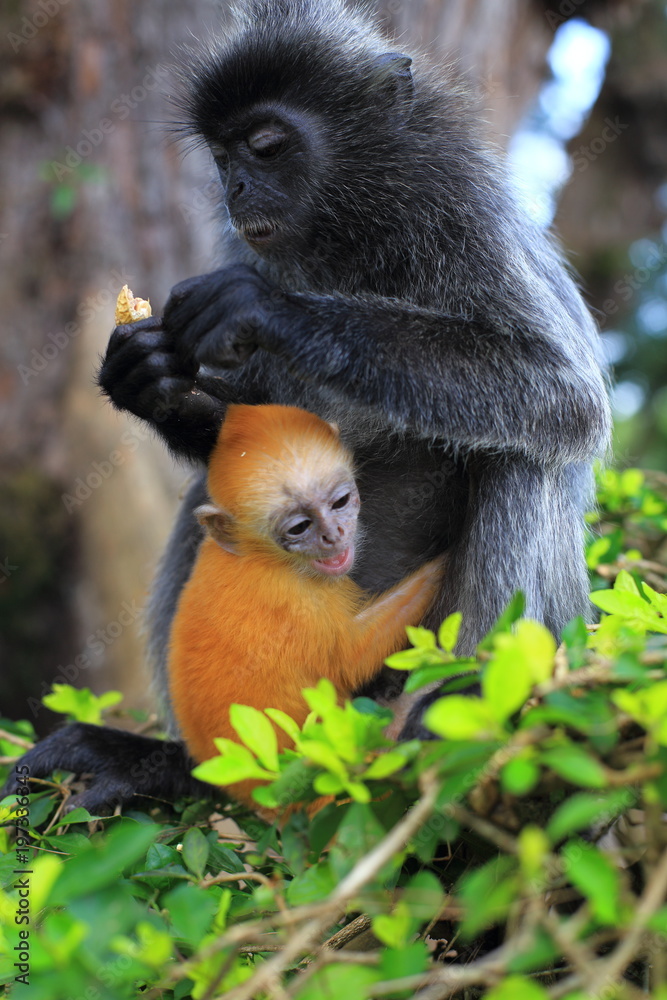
[{"x": 124, "y": 765}]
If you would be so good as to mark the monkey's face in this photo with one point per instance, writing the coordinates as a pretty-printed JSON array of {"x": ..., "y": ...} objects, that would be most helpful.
[
  {"x": 319, "y": 528},
  {"x": 264, "y": 163}
]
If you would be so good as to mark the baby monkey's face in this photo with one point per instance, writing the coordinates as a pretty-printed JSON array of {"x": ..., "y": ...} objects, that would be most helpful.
[{"x": 318, "y": 525}]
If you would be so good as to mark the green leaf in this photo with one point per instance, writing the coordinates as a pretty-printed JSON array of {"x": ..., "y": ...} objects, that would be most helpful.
[
  {"x": 409, "y": 659},
  {"x": 626, "y": 583},
  {"x": 517, "y": 988},
  {"x": 322, "y": 698},
  {"x": 533, "y": 848},
  {"x": 421, "y": 638},
  {"x": 385, "y": 764},
  {"x": 423, "y": 675},
  {"x": 286, "y": 723},
  {"x": 349, "y": 981},
  {"x": 631, "y": 482},
  {"x": 597, "y": 550},
  {"x": 103, "y": 862},
  {"x": 191, "y": 911},
  {"x": 520, "y": 775},
  {"x": 460, "y": 717},
  {"x": 366, "y": 706},
  {"x": 506, "y": 682},
  {"x": 423, "y": 896},
  {"x": 410, "y": 960},
  {"x": 311, "y": 886},
  {"x": 487, "y": 894},
  {"x": 393, "y": 929},
  {"x": 595, "y": 877},
  {"x": 80, "y": 703},
  {"x": 235, "y": 763},
  {"x": 324, "y": 756},
  {"x": 576, "y": 765},
  {"x": 254, "y": 729},
  {"x": 648, "y": 707},
  {"x": 510, "y": 615},
  {"x": 448, "y": 633},
  {"x": 581, "y": 810},
  {"x": 658, "y": 922},
  {"x": 195, "y": 851}
]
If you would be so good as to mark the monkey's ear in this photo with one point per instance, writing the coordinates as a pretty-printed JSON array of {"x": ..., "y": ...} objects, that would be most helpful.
[
  {"x": 334, "y": 427},
  {"x": 393, "y": 78},
  {"x": 219, "y": 525}
]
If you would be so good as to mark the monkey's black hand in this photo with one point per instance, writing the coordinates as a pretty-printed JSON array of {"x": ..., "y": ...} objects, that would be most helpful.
[
  {"x": 142, "y": 373},
  {"x": 123, "y": 766},
  {"x": 220, "y": 319}
]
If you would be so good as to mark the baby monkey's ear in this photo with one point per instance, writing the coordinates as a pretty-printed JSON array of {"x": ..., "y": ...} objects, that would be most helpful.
[
  {"x": 219, "y": 525},
  {"x": 334, "y": 427}
]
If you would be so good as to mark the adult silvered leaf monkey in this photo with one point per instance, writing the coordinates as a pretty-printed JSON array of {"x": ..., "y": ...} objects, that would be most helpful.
[{"x": 378, "y": 272}]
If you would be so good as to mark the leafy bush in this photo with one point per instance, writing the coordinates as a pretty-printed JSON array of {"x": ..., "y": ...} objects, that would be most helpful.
[{"x": 521, "y": 854}]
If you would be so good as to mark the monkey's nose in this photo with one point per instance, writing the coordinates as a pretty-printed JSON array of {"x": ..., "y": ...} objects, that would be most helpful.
[
  {"x": 329, "y": 537},
  {"x": 238, "y": 190}
]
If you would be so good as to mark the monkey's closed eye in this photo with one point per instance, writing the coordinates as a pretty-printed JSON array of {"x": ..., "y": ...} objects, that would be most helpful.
[
  {"x": 267, "y": 141},
  {"x": 298, "y": 529},
  {"x": 340, "y": 502}
]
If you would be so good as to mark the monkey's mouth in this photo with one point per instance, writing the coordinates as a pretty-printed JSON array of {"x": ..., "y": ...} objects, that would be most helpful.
[
  {"x": 336, "y": 565},
  {"x": 256, "y": 230}
]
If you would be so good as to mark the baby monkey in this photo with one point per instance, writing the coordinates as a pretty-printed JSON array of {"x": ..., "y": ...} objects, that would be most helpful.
[{"x": 269, "y": 608}]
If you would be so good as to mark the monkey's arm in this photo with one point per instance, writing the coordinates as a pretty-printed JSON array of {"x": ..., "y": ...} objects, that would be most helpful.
[
  {"x": 382, "y": 623},
  {"x": 124, "y": 765},
  {"x": 476, "y": 382},
  {"x": 142, "y": 374}
]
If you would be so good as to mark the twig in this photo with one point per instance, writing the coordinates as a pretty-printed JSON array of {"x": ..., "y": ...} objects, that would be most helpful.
[
  {"x": 565, "y": 936},
  {"x": 18, "y": 741},
  {"x": 652, "y": 898},
  {"x": 304, "y": 939},
  {"x": 502, "y": 840},
  {"x": 349, "y": 932},
  {"x": 238, "y": 877}
]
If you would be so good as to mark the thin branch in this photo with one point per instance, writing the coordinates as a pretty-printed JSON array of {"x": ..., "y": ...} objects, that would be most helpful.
[
  {"x": 651, "y": 900},
  {"x": 18, "y": 741},
  {"x": 488, "y": 831},
  {"x": 348, "y": 933},
  {"x": 268, "y": 975}
]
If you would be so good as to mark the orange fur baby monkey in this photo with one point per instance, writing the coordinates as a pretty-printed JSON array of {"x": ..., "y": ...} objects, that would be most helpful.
[{"x": 269, "y": 608}]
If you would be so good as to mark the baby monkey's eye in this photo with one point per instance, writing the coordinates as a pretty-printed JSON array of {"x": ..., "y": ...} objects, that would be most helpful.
[
  {"x": 298, "y": 529},
  {"x": 340, "y": 502}
]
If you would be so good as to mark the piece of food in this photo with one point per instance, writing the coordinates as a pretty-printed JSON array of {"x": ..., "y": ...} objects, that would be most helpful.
[{"x": 129, "y": 309}]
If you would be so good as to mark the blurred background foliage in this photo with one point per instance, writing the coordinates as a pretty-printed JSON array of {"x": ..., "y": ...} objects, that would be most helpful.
[{"x": 93, "y": 193}]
